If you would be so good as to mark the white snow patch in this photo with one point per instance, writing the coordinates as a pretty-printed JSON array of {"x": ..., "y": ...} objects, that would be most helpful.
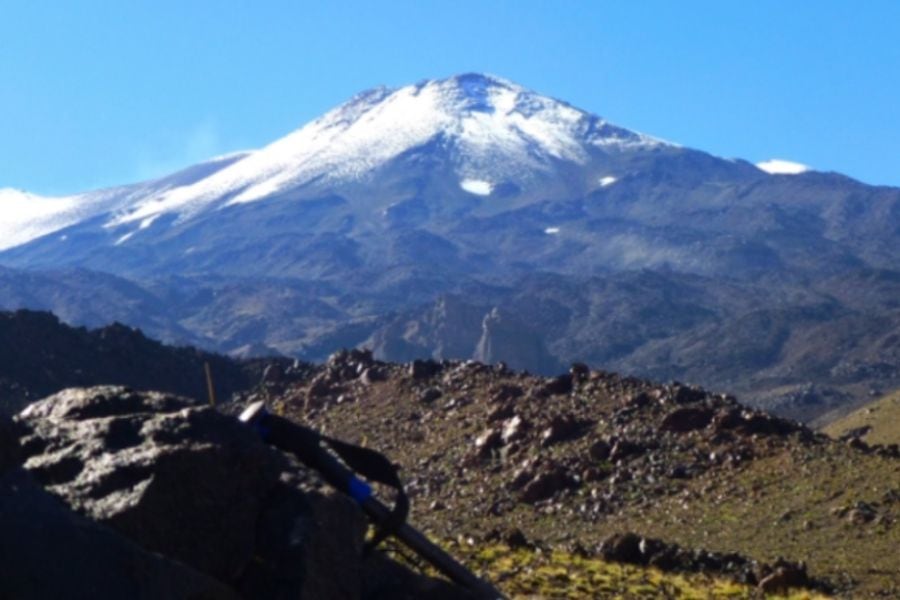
[
  {"x": 552, "y": 230},
  {"x": 777, "y": 166},
  {"x": 237, "y": 154},
  {"x": 479, "y": 187},
  {"x": 148, "y": 222},
  {"x": 608, "y": 180},
  {"x": 124, "y": 238}
]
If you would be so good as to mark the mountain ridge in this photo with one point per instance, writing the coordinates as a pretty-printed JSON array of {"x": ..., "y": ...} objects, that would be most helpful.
[
  {"x": 657, "y": 259},
  {"x": 453, "y": 108}
]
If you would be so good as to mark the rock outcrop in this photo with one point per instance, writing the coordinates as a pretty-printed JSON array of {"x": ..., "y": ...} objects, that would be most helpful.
[
  {"x": 634, "y": 549},
  {"x": 9, "y": 445},
  {"x": 506, "y": 339},
  {"x": 49, "y": 551},
  {"x": 174, "y": 500}
]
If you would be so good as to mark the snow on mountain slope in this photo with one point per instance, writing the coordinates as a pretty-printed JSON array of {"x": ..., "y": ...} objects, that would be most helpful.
[
  {"x": 489, "y": 129},
  {"x": 25, "y": 216},
  {"x": 496, "y": 128},
  {"x": 492, "y": 130}
]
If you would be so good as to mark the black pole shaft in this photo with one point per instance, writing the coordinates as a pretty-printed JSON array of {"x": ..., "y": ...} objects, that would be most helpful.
[
  {"x": 432, "y": 553},
  {"x": 304, "y": 444}
]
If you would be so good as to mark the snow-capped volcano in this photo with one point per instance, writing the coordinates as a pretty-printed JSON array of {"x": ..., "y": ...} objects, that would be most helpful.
[
  {"x": 494, "y": 129},
  {"x": 483, "y": 130},
  {"x": 469, "y": 173}
]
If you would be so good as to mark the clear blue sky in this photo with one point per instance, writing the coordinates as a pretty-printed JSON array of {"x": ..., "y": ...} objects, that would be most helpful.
[{"x": 96, "y": 93}]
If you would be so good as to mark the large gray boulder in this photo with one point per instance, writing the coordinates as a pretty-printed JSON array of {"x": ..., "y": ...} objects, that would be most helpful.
[
  {"x": 180, "y": 480},
  {"x": 197, "y": 486},
  {"x": 49, "y": 551},
  {"x": 191, "y": 484}
]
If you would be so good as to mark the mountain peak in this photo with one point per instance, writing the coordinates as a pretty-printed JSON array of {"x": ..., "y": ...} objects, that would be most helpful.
[
  {"x": 486, "y": 130},
  {"x": 492, "y": 130},
  {"x": 474, "y": 91}
]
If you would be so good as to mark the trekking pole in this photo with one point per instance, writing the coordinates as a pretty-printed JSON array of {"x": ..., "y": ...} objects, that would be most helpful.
[{"x": 305, "y": 444}]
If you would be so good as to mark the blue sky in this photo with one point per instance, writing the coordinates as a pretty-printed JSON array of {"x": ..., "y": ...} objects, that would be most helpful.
[{"x": 97, "y": 93}]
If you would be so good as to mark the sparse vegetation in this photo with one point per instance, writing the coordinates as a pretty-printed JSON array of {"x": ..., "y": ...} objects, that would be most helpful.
[
  {"x": 878, "y": 422},
  {"x": 524, "y": 573}
]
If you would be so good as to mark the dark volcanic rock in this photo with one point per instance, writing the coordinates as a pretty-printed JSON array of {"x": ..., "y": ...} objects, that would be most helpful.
[
  {"x": 765, "y": 424},
  {"x": 273, "y": 374},
  {"x": 505, "y": 392},
  {"x": 623, "y": 449},
  {"x": 622, "y": 547},
  {"x": 562, "y": 428},
  {"x": 687, "y": 395},
  {"x": 725, "y": 419},
  {"x": 424, "y": 369},
  {"x": 129, "y": 460},
  {"x": 371, "y": 375},
  {"x": 547, "y": 484},
  {"x": 195, "y": 485},
  {"x": 785, "y": 575},
  {"x": 10, "y": 454},
  {"x": 634, "y": 549},
  {"x": 599, "y": 450},
  {"x": 48, "y": 551},
  {"x": 430, "y": 395},
  {"x": 515, "y": 538},
  {"x": 579, "y": 371},
  {"x": 686, "y": 419},
  {"x": 557, "y": 385}
]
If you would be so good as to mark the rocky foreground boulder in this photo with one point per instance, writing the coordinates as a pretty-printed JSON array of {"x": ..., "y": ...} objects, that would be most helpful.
[{"x": 132, "y": 494}]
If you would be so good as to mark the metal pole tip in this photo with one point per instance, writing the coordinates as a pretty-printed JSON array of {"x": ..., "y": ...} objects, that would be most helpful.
[{"x": 253, "y": 413}]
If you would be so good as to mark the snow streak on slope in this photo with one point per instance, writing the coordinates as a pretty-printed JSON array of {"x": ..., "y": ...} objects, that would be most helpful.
[
  {"x": 25, "y": 216},
  {"x": 496, "y": 130}
]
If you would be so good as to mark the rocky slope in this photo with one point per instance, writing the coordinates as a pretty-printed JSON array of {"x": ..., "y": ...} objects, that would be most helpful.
[
  {"x": 877, "y": 422},
  {"x": 525, "y": 477},
  {"x": 564, "y": 463}
]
